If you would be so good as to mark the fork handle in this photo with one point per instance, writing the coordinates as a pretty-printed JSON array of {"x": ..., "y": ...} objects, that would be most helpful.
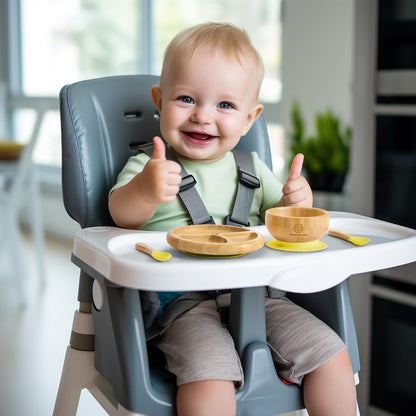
[{"x": 339, "y": 234}]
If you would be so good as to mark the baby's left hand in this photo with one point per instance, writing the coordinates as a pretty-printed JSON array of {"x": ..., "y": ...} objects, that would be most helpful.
[{"x": 296, "y": 191}]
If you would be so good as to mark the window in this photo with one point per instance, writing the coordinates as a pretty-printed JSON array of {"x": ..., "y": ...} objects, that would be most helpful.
[
  {"x": 262, "y": 23},
  {"x": 63, "y": 41}
]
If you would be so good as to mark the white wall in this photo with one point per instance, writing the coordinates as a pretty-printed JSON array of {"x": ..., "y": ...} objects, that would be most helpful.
[{"x": 317, "y": 57}]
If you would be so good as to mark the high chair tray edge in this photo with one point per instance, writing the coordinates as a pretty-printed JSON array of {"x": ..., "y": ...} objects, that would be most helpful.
[{"x": 109, "y": 253}]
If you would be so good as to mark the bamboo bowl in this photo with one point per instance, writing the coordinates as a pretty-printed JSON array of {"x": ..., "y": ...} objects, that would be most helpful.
[{"x": 297, "y": 224}]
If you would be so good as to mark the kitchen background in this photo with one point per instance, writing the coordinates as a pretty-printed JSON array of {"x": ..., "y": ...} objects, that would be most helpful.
[{"x": 355, "y": 58}]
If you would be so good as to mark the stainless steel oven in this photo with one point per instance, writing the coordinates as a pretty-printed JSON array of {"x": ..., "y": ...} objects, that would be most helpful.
[
  {"x": 396, "y": 56},
  {"x": 393, "y": 291},
  {"x": 393, "y": 350},
  {"x": 395, "y": 184}
]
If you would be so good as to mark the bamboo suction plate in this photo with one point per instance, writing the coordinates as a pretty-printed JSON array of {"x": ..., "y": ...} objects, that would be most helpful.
[{"x": 215, "y": 240}]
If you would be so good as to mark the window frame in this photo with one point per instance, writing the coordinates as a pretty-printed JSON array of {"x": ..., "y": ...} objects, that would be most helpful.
[{"x": 11, "y": 72}]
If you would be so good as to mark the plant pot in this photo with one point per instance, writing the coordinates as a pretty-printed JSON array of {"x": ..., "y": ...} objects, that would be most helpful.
[{"x": 326, "y": 181}]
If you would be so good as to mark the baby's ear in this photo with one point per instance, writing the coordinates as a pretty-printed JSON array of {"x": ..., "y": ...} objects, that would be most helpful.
[
  {"x": 252, "y": 117},
  {"x": 157, "y": 97}
]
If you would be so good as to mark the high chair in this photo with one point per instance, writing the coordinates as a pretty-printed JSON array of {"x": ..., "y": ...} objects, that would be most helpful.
[{"x": 103, "y": 121}]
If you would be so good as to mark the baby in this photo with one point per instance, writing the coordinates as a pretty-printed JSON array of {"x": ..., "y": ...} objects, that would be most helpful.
[{"x": 207, "y": 99}]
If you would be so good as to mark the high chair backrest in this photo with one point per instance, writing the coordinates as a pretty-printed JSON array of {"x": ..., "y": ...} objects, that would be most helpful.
[{"x": 102, "y": 122}]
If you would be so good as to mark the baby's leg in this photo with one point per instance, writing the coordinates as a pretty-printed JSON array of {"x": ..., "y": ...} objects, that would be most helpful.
[
  {"x": 206, "y": 398},
  {"x": 200, "y": 351},
  {"x": 307, "y": 350},
  {"x": 330, "y": 389}
]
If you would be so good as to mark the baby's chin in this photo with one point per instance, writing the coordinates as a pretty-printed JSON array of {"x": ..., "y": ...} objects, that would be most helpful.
[{"x": 198, "y": 156}]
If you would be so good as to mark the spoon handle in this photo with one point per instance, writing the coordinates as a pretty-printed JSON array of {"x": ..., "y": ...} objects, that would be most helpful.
[
  {"x": 339, "y": 234},
  {"x": 144, "y": 248}
]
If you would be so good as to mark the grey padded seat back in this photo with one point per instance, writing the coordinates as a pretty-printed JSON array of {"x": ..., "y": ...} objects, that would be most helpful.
[{"x": 102, "y": 120}]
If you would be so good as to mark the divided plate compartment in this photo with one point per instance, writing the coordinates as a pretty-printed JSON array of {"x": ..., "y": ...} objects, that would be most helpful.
[{"x": 215, "y": 240}]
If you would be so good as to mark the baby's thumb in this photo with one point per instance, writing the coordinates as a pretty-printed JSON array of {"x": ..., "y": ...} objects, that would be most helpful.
[
  {"x": 296, "y": 168},
  {"x": 159, "y": 151}
]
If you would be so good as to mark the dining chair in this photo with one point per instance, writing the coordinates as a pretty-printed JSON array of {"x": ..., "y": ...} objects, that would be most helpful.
[{"x": 20, "y": 187}]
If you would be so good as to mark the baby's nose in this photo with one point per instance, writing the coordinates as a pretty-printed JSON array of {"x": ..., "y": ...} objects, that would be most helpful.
[{"x": 202, "y": 115}]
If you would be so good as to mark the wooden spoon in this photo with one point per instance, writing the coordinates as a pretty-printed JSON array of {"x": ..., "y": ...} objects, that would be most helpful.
[
  {"x": 358, "y": 241},
  {"x": 157, "y": 255}
]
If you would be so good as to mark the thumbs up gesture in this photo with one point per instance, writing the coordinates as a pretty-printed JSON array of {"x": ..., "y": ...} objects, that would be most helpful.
[
  {"x": 160, "y": 178},
  {"x": 296, "y": 191}
]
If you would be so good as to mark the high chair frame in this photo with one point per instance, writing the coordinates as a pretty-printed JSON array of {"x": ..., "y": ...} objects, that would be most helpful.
[{"x": 102, "y": 121}]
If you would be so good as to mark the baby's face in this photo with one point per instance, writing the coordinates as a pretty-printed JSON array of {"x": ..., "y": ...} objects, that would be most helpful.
[{"x": 206, "y": 103}]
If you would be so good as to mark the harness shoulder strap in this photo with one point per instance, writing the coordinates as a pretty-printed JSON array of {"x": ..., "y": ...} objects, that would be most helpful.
[
  {"x": 192, "y": 202},
  {"x": 247, "y": 183}
]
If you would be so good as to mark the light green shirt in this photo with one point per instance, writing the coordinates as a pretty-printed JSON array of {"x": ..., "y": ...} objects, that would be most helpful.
[{"x": 216, "y": 183}]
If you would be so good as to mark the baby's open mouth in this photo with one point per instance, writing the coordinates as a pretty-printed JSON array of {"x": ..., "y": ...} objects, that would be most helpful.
[{"x": 198, "y": 136}]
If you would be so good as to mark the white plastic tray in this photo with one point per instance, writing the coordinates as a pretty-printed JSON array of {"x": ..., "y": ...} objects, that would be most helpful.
[{"x": 109, "y": 252}]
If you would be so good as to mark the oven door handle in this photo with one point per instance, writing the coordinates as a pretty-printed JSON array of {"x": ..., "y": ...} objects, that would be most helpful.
[{"x": 393, "y": 295}]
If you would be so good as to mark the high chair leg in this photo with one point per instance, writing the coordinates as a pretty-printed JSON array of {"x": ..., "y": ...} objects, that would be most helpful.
[{"x": 78, "y": 372}]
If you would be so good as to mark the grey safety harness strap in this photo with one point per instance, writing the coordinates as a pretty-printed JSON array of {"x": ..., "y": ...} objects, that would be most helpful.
[
  {"x": 192, "y": 202},
  {"x": 247, "y": 183}
]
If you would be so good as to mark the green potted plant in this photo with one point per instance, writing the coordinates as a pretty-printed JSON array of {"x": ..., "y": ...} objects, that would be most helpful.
[{"x": 326, "y": 153}]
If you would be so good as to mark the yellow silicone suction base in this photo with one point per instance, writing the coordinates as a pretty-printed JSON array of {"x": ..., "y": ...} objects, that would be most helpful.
[{"x": 299, "y": 247}]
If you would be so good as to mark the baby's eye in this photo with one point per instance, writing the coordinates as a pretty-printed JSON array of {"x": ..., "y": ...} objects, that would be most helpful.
[
  {"x": 186, "y": 99},
  {"x": 225, "y": 105}
]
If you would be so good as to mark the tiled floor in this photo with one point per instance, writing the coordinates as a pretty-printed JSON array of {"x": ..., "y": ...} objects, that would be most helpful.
[{"x": 33, "y": 339}]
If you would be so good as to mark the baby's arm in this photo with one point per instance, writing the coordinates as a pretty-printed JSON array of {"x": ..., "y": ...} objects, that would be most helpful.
[
  {"x": 135, "y": 203},
  {"x": 296, "y": 191}
]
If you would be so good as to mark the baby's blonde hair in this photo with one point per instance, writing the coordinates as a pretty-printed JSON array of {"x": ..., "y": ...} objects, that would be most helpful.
[{"x": 223, "y": 37}]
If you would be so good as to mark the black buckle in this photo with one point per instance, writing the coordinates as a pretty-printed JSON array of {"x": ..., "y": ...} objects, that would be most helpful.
[
  {"x": 248, "y": 179},
  {"x": 229, "y": 221},
  {"x": 187, "y": 182}
]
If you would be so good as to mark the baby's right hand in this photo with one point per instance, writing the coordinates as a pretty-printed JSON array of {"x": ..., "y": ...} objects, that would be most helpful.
[{"x": 160, "y": 178}]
